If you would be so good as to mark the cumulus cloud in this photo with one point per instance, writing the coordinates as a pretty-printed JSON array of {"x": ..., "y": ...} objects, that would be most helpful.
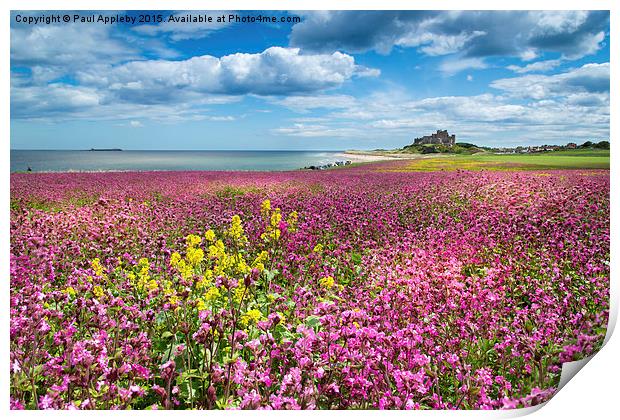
[
  {"x": 275, "y": 71},
  {"x": 63, "y": 45},
  {"x": 522, "y": 34},
  {"x": 453, "y": 66},
  {"x": 539, "y": 66},
  {"x": 53, "y": 100},
  {"x": 590, "y": 78},
  {"x": 482, "y": 119},
  {"x": 195, "y": 81}
]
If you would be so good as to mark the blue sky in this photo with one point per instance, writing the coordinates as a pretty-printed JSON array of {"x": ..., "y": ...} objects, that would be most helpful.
[{"x": 335, "y": 80}]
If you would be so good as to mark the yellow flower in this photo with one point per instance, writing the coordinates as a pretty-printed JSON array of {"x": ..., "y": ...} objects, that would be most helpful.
[
  {"x": 217, "y": 250},
  {"x": 212, "y": 294},
  {"x": 292, "y": 221},
  {"x": 152, "y": 285},
  {"x": 195, "y": 256},
  {"x": 210, "y": 235},
  {"x": 192, "y": 240},
  {"x": 200, "y": 304},
  {"x": 70, "y": 291},
  {"x": 242, "y": 267},
  {"x": 251, "y": 317},
  {"x": 327, "y": 282},
  {"x": 265, "y": 209},
  {"x": 318, "y": 248},
  {"x": 174, "y": 259},
  {"x": 97, "y": 267},
  {"x": 205, "y": 280},
  {"x": 98, "y": 291},
  {"x": 236, "y": 229},
  {"x": 276, "y": 218},
  {"x": 260, "y": 260}
]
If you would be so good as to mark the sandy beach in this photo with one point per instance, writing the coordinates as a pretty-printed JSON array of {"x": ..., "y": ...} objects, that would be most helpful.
[{"x": 361, "y": 157}]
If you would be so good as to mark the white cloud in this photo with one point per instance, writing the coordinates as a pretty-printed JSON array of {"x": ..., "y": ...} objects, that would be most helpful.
[
  {"x": 591, "y": 77},
  {"x": 275, "y": 71},
  {"x": 438, "y": 44},
  {"x": 66, "y": 45},
  {"x": 453, "y": 66},
  {"x": 135, "y": 124},
  {"x": 539, "y": 66},
  {"x": 306, "y": 103},
  {"x": 308, "y": 130},
  {"x": 527, "y": 35},
  {"x": 187, "y": 84}
]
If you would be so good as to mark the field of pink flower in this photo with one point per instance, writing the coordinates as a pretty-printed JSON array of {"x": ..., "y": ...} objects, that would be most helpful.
[{"x": 334, "y": 289}]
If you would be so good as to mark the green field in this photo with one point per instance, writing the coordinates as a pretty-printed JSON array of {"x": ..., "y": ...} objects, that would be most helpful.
[{"x": 569, "y": 159}]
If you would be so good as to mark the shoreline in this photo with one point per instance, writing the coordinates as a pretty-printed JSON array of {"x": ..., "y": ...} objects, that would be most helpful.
[{"x": 360, "y": 156}]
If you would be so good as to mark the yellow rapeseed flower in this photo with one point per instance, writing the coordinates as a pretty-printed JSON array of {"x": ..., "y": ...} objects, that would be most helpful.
[
  {"x": 251, "y": 317},
  {"x": 200, "y": 304},
  {"x": 265, "y": 209},
  {"x": 292, "y": 221},
  {"x": 212, "y": 294},
  {"x": 192, "y": 240},
  {"x": 327, "y": 282},
  {"x": 236, "y": 229},
  {"x": 95, "y": 264},
  {"x": 195, "y": 256},
  {"x": 210, "y": 235},
  {"x": 98, "y": 291},
  {"x": 174, "y": 259},
  {"x": 70, "y": 291},
  {"x": 152, "y": 285}
]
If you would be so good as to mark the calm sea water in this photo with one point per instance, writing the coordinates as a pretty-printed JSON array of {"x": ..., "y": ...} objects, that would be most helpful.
[{"x": 136, "y": 160}]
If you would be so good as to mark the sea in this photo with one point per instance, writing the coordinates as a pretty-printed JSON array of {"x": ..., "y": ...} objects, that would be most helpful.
[{"x": 168, "y": 160}]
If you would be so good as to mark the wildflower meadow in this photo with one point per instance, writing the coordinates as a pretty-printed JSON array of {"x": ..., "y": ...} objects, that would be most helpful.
[{"x": 368, "y": 287}]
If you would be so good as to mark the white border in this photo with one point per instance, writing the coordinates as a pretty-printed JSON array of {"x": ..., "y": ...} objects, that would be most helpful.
[{"x": 592, "y": 394}]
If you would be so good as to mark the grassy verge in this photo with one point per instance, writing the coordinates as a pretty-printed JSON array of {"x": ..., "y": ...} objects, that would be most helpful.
[{"x": 578, "y": 159}]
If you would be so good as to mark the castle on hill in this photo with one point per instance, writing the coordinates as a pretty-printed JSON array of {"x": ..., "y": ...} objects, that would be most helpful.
[{"x": 440, "y": 137}]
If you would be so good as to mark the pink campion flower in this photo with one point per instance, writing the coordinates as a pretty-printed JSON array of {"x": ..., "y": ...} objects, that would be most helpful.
[
  {"x": 125, "y": 368},
  {"x": 45, "y": 402},
  {"x": 140, "y": 371},
  {"x": 136, "y": 390},
  {"x": 251, "y": 400},
  {"x": 253, "y": 344},
  {"x": 16, "y": 404},
  {"x": 44, "y": 327},
  {"x": 15, "y": 367},
  {"x": 167, "y": 369},
  {"x": 179, "y": 349},
  {"x": 484, "y": 376}
]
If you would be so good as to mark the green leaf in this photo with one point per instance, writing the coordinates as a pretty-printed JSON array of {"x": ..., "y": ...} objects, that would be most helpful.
[{"x": 313, "y": 321}]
